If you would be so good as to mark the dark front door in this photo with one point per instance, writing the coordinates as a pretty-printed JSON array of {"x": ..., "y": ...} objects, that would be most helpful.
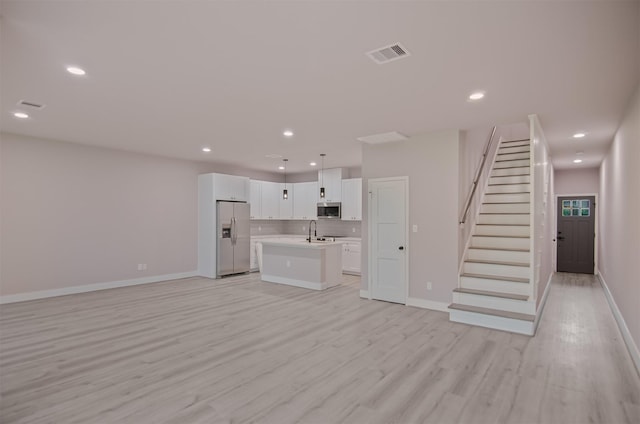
[{"x": 576, "y": 234}]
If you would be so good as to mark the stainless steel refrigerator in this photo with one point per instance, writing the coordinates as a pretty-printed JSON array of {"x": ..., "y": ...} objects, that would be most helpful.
[{"x": 233, "y": 238}]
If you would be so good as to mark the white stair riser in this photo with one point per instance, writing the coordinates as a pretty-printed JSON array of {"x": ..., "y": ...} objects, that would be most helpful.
[
  {"x": 502, "y": 230},
  {"x": 495, "y": 269},
  {"x": 514, "y": 149},
  {"x": 510, "y": 171},
  {"x": 500, "y": 242},
  {"x": 498, "y": 255},
  {"x": 511, "y": 156},
  {"x": 511, "y": 164},
  {"x": 510, "y": 188},
  {"x": 515, "y": 143},
  {"x": 501, "y": 303},
  {"x": 505, "y": 198},
  {"x": 490, "y": 321},
  {"x": 503, "y": 219},
  {"x": 518, "y": 179},
  {"x": 505, "y": 208},
  {"x": 494, "y": 285}
]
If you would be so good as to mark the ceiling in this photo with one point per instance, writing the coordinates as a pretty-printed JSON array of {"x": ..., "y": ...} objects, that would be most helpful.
[{"x": 169, "y": 78}]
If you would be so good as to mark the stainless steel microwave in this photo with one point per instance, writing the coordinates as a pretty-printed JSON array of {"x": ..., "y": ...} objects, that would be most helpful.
[{"x": 329, "y": 210}]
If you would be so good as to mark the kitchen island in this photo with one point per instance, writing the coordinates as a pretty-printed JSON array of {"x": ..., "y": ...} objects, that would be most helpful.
[{"x": 315, "y": 265}]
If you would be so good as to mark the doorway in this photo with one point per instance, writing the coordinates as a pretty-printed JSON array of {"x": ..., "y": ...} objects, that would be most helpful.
[
  {"x": 576, "y": 234},
  {"x": 388, "y": 260}
]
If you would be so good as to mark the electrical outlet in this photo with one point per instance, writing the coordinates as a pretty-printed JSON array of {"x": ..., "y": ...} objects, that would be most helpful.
[
  {"x": 288, "y": 264},
  {"x": 429, "y": 285},
  {"x": 353, "y": 229},
  {"x": 259, "y": 228},
  {"x": 304, "y": 228},
  {"x": 139, "y": 267},
  {"x": 144, "y": 267},
  {"x": 415, "y": 228}
]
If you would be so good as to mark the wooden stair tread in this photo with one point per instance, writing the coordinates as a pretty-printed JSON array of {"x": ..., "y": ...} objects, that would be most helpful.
[
  {"x": 505, "y": 203},
  {"x": 496, "y": 277},
  {"x": 506, "y": 249},
  {"x": 493, "y": 294},
  {"x": 505, "y": 184},
  {"x": 511, "y": 160},
  {"x": 510, "y": 167},
  {"x": 507, "y": 225},
  {"x": 492, "y": 262},
  {"x": 515, "y": 141},
  {"x": 495, "y": 312},
  {"x": 504, "y": 213},
  {"x": 514, "y": 175},
  {"x": 487, "y": 235},
  {"x": 515, "y": 192}
]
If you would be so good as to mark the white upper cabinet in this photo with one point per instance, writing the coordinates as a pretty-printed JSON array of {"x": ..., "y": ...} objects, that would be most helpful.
[
  {"x": 332, "y": 183},
  {"x": 231, "y": 187},
  {"x": 255, "y": 199},
  {"x": 305, "y": 200},
  {"x": 270, "y": 200},
  {"x": 352, "y": 199},
  {"x": 286, "y": 205}
]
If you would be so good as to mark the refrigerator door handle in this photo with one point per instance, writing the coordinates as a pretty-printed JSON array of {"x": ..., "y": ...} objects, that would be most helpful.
[{"x": 234, "y": 231}]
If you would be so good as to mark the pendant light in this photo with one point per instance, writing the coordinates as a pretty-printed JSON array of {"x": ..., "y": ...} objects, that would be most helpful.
[
  {"x": 322, "y": 155},
  {"x": 285, "y": 193}
]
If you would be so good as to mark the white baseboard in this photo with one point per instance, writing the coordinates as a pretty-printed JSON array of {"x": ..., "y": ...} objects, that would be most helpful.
[
  {"x": 622, "y": 325},
  {"x": 23, "y": 297},
  {"x": 428, "y": 304},
  {"x": 365, "y": 294},
  {"x": 543, "y": 302}
]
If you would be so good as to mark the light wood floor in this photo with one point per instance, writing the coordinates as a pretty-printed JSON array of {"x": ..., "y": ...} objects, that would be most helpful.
[{"x": 238, "y": 350}]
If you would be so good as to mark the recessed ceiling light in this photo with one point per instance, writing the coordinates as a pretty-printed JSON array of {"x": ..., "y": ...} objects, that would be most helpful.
[
  {"x": 476, "y": 96},
  {"x": 75, "y": 70},
  {"x": 577, "y": 161},
  {"x": 281, "y": 168},
  {"x": 20, "y": 115},
  {"x": 287, "y": 133},
  {"x": 273, "y": 156},
  {"x": 313, "y": 164},
  {"x": 579, "y": 135},
  {"x": 206, "y": 149}
]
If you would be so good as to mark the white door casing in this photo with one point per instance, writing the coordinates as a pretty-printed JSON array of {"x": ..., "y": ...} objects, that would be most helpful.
[{"x": 388, "y": 236}]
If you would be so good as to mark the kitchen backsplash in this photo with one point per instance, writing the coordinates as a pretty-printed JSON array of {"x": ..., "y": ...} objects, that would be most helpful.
[
  {"x": 267, "y": 227},
  {"x": 326, "y": 227}
]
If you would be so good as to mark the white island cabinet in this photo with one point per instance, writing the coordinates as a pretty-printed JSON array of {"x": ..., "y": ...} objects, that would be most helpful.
[{"x": 316, "y": 266}]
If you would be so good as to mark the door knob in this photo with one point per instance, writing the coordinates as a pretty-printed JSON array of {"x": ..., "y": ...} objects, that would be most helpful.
[
  {"x": 401, "y": 248},
  {"x": 560, "y": 238}
]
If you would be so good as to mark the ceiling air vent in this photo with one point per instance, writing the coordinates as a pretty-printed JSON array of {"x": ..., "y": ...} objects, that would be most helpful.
[
  {"x": 30, "y": 104},
  {"x": 388, "y": 53}
]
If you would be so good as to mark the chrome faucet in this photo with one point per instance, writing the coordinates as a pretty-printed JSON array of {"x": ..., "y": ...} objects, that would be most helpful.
[{"x": 315, "y": 229}]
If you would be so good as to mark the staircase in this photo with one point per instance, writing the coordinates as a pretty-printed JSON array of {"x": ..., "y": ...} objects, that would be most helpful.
[{"x": 494, "y": 286}]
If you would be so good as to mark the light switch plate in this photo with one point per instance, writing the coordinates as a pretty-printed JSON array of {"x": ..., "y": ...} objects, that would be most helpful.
[{"x": 415, "y": 228}]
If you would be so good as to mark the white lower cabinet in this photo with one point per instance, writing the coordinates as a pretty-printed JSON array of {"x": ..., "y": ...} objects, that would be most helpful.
[
  {"x": 351, "y": 252},
  {"x": 253, "y": 255}
]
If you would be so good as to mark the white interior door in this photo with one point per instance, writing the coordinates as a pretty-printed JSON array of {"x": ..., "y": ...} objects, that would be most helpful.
[{"x": 388, "y": 236}]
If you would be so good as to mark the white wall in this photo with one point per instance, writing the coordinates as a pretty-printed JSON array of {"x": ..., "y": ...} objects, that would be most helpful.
[
  {"x": 431, "y": 162},
  {"x": 619, "y": 247},
  {"x": 74, "y": 215},
  {"x": 542, "y": 211},
  {"x": 577, "y": 181}
]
